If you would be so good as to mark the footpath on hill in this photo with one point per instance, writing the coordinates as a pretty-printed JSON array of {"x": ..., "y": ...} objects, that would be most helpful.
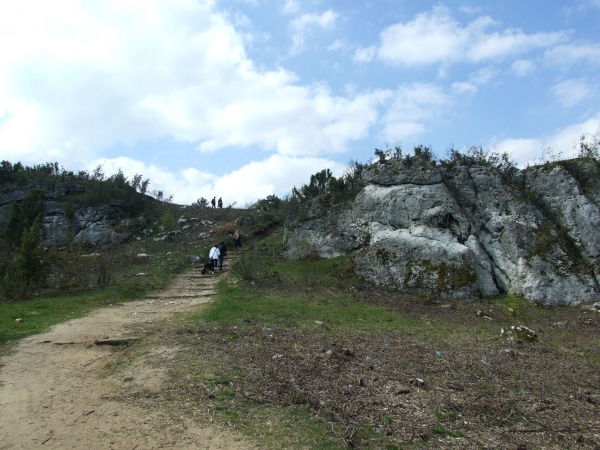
[{"x": 61, "y": 390}]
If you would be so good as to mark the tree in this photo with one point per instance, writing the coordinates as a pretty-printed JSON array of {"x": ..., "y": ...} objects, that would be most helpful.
[
  {"x": 28, "y": 260},
  {"x": 21, "y": 276},
  {"x": 22, "y": 216}
]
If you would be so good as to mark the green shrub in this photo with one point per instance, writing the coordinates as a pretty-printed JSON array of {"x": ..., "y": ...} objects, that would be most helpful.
[{"x": 167, "y": 220}]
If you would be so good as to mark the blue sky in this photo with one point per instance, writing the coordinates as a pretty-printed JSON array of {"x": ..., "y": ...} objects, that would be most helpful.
[{"x": 245, "y": 98}]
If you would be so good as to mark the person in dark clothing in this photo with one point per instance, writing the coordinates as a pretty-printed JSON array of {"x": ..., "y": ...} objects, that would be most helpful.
[
  {"x": 220, "y": 203},
  {"x": 237, "y": 239},
  {"x": 213, "y": 202},
  {"x": 222, "y": 254}
]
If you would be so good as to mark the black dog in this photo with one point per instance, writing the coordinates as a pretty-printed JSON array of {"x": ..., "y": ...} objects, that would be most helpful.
[{"x": 207, "y": 269}]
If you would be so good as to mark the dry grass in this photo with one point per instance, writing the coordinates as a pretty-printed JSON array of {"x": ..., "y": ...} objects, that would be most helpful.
[{"x": 362, "y": 389}]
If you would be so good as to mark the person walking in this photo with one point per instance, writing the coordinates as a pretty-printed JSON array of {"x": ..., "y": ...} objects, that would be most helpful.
[
  {"x": 237, "y": 239},
  {"x": 213, "y": 202},
  {"x": 222, "y": 254},
  {"x": 214, "y": 257},
  {"x": 221, "y": 202}
]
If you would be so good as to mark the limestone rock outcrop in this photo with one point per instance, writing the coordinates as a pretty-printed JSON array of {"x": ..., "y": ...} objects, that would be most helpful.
[
  {"x": 463, "y": 232},
  {"x": 101, "y": 225}
]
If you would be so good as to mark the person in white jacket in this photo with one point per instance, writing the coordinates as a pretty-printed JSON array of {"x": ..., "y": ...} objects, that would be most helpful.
[{"x": 214, "y": 256}]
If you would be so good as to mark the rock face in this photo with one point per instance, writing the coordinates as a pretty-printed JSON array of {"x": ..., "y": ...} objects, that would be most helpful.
[
  {"x": 92, "y": 225},
  {"x": 463, "y": 232}
]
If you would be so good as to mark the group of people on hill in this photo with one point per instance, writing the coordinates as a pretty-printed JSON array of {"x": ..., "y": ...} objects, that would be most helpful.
[
  {"x": 214, "y": 202},
  {"x": 218, "y": 252}
]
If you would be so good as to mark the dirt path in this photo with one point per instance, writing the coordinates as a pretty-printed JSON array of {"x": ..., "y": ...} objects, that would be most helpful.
[{"x": 59, "y": 396}]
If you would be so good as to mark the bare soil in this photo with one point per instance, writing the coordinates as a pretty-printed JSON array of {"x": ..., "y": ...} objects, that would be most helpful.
[{"x": 60, "y": 390}]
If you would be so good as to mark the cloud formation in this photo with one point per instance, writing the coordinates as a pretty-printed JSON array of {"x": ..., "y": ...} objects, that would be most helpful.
[
  {"x": 274, "y": 175},
  {"x": 560, "y": 144},
  {"x": 435, "y": 37},
  {"x": 569, "y": 54},
  {"x": 304, "y": 24},
  {"x": 88, "y": 75},
  {"x": 522, "y": 67},
  {"x": 412, "y": 106},
  {"x": 571, "y": 92}
]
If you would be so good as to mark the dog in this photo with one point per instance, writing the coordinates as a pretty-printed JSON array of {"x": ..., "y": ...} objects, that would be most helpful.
[{"x": 207, "y": 269}]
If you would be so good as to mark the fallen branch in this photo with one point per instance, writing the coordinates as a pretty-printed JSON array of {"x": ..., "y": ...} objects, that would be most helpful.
[
  {"x": 116, "y": 341},
  {"x": 253, "y": 399}
]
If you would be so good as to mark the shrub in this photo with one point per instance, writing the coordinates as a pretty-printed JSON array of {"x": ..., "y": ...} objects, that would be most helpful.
[{"x": 167, "y": 220}]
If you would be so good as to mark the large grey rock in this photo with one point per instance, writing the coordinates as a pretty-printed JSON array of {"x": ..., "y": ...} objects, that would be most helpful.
[
  {"x": 565, "y": 201},
  {"x": 464, "y": 232},
  {"x": 92, "y": 225}
]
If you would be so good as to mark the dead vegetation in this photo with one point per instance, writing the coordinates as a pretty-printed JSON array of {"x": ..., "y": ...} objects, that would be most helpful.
[{"x": 446, "y": 380}]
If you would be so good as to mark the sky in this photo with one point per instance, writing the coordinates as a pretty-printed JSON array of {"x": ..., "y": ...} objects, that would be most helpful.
[{"x": 241, "y": 99}]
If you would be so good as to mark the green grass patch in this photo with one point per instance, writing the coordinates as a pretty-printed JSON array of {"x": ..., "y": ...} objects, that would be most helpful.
[
  {"x": 439, "y": 430},
  {"x": 39, "y": 314},
  {"x": 295, "y": 309}
]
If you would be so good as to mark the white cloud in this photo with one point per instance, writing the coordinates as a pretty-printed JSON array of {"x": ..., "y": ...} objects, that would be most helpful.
[
  {"x": 472, "y": 10},
  {"x": 435, "y": 37},
  {"x": 338, "y": 44},
  {"x": 412, "y": 105},
  {"x": 302, "y": 25},
  {"x": 365, "y": 54},
  {"x": 279, "y": 117},
  {"x": 87, "y": 75},
  {"x": 571, "y": 92},
  {"x": 478, "y": 78},
  {"x": 291, "y": 6},
  {"x": 464, "y": 88},
  {"x": 484, "y": 75},
  {"x": 522, "y": 67},
  {"x": 569, "y": 54},
  {"x": 274, "y": 175},
  {"x": 531, "y": 150}
]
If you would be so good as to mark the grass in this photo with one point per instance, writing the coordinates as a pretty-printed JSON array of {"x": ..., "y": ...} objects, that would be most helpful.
[
  {"x": 292, "y": 309},
  {"x": 39, "y": 314}
]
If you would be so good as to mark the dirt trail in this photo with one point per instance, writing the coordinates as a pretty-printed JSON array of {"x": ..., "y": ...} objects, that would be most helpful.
[{"x": 54, "y": 396}]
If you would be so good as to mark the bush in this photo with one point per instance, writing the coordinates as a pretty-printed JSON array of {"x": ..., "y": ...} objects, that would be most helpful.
[{"x": 167, "y": 220}]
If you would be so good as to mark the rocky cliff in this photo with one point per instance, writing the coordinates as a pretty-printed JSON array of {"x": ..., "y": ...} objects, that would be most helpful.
[
  {"x": 468, "y": 231},
  {"x": 94, "y": 225}
]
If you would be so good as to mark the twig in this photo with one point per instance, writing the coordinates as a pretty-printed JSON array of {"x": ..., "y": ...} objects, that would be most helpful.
[
  {"x": 253, "y": 399},
  {"x": 51, "y": 436},
  {"x": 118, "y": 341},
  {"x": 88, "y": 413},
  {"x": 545, "y": 430}
]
